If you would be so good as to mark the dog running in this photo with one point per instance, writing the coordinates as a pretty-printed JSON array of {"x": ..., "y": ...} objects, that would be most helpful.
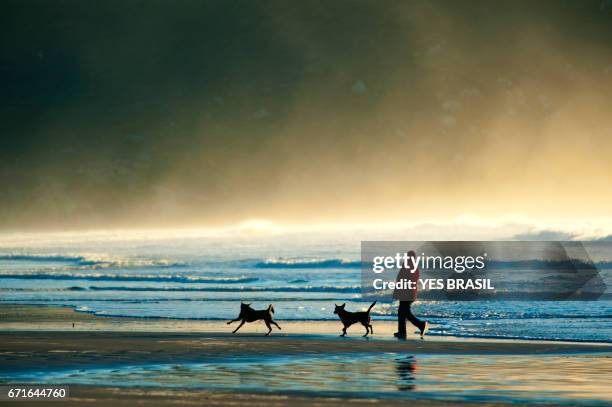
[
  {"x": 248, "y": 314},
  {"x": 349, "y": 318}
]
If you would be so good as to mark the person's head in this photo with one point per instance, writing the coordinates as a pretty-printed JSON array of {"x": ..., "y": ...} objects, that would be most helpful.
[{"x": 411, "y": 257}]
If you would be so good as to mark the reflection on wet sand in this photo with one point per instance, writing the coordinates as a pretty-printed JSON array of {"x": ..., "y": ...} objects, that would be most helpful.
[
  {"x": 406, "y": 368},
  {"x": 569, "y": 379}
]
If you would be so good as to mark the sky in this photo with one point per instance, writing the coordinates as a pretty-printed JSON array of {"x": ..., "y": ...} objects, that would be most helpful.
[{"x": 156, "y": 113}]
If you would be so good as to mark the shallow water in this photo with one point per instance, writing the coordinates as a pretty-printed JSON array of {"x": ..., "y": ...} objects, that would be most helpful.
[{"x": 542, "y": 379}]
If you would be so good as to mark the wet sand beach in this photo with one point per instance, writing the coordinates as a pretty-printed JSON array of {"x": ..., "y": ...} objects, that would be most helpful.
[{"x": 117, "y": 361}]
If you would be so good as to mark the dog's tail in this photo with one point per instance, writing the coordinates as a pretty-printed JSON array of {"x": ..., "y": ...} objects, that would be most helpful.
[
  {"x": 371, "y": 306},
  {"x": 270, "y": 309}
]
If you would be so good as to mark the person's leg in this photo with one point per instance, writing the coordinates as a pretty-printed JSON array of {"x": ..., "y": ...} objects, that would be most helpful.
[
  {"x": 413, "y": 319},
  {"x": 401, "y": 317}
]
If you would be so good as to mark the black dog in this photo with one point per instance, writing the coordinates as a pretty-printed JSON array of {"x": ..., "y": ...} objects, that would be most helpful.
[
  {"x": 349, "y": 318},
  {"x": 248, "y": 314}
]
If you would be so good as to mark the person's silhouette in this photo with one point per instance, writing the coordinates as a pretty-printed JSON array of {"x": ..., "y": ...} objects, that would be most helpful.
[{"x": 406, "y": 297}]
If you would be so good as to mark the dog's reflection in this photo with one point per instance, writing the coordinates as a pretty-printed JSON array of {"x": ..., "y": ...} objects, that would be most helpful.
[{"x": 406, "y": 367}]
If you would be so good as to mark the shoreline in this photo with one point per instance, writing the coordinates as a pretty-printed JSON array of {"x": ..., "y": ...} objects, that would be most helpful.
[
  {"x": 59, "y": 318},
  {"x": 54, "y": 324}
]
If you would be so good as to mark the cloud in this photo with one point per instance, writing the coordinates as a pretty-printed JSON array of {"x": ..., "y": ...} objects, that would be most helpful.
[
  {"x": 545, "y": 235},
  {"x": 200, "y": 113}
]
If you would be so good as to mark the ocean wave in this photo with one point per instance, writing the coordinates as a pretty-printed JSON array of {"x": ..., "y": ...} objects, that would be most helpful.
[
  {"x": 317, "y": 289},
  {"x": 91, "y": 261},
  {"x": 41, "y": 289},
  {"x": 391, "y": 310},
  {"x": 281, "y": 289},
  {"x": 282, "y": 263},
  {"x": 104, "y": 261},
  {"x": 289, "y": 289},
  {"x": 535, "y": 264},
  {"x": 174, "y": 278},
  {"x": 154, "y": 300},
  {"x": 499, "y": 317}
]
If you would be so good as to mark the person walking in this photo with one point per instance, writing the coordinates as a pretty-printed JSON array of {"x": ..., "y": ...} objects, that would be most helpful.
[{"x": 406, "y": 296}]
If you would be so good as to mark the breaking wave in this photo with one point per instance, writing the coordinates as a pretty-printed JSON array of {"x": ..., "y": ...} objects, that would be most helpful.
[
  {"x": 175, "y": 278},
  {"x": 281, "y": 263},
  {"x": 93, "y": 261}
]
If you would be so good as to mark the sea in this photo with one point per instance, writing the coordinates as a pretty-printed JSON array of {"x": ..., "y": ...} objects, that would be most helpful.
[{"x": 206, "y": 276}]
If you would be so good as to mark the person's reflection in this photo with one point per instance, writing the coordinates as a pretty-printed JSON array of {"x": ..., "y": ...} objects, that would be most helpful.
[{"x": 406, "y": 367}]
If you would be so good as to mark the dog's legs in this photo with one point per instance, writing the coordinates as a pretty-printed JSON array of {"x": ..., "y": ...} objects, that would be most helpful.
[
  {"x": 233, "y": 320},
  {"x": 269, "y": 327},
  {"x": 275, "y": 324},
  {"x": 371, "y": 329},
  {"x": 367, "y": 330},
  {"x": 343, "y": 331},
  {"x": 239, "y": 326}
]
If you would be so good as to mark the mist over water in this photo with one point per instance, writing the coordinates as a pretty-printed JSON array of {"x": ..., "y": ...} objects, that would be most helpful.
[{"x": 206, "y": 113}]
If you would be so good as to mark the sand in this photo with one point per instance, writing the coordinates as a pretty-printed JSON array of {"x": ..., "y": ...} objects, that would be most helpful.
[
  {"x": 119, "y": 397},
  {"x": 32, "y": 336}
]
